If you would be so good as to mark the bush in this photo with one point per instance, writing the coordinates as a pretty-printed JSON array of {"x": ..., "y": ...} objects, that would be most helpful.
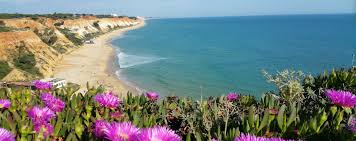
[
  {"x": 27, "y": 62},
  {"x": 48, "y": 36},
  {"x": 90, "y": 36},
  {"x": 96, "y": 25},
  {"x": 4, "y": 69},
  {"x": 342, "y": 79},
  {"x": 59, "y": 48},
  {"x": 289, "y": 84},
  {"x": 5, "y": 29},
  {"x": 71, "y": 36}
]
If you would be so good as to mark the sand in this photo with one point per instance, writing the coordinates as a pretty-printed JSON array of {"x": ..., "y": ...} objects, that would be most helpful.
[{"x": 95, "y": 63}]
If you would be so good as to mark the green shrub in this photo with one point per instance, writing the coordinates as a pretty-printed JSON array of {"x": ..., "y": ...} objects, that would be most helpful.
[
  {"x": 27, "y": 62},
  {"x": 71, "y": 36},
  {"x": 96, "y": 25},
  {"x": 48, "y": 36},
  {"x": 58, "y": 23},
  {"x": 342, "y": 79},
  {"x": 90, "y": 36},
  {"x": 4, "y": 69},
  {"x": 5, "y": 29}
]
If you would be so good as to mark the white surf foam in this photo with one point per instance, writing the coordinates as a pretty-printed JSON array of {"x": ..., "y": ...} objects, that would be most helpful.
[{"x": 127, "y": 60}]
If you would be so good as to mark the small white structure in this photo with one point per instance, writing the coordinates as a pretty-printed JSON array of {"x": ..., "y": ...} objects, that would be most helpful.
[
  {"x": 113, "y": 15},
  {"x": 89, "y": 42},
  {"x": 56, "y": 82}
]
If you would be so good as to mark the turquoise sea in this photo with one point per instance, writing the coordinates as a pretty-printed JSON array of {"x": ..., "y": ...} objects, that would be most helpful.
[{"x": 214, "y": 56}]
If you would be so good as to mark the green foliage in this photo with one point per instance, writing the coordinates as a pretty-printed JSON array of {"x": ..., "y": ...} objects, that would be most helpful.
[
  {"x": 4, "y": 69},
  {"x": 343, "y": 79},
  {"x": 59, "y": 48},
  {"x": 71, "y": 36},
  {"x": 214, "y": 117},
  {"x": 90, "y": 36},
  {"x": 4, "y": 28},
  {"x": 27, "y": 62},
  {"x": 48, "y": 36},
  {"x": 96, "y": 25}
]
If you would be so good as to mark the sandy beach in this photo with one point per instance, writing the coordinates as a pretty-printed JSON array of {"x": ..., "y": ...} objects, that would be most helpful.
[{"x": 94, "y": 63}]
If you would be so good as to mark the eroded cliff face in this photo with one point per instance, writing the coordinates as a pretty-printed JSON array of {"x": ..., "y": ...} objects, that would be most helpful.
[{"x": 43, "y": 38}]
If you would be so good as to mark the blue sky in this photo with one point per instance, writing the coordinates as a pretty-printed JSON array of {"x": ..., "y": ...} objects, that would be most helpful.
[{"x": 180, "y": 8}]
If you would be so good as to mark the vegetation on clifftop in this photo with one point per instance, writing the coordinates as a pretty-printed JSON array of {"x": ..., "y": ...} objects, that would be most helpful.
[
  {"x": 26, "y": 61},
  {"x": 71, "y": 36},
  {"x": 48, "y": 36},
  {"x": 4, "y": 69},
  {"x": 89, "y": 116}
]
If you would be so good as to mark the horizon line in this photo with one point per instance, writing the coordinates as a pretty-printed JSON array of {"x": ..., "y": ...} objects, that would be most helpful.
[
  {"x": 252, "y": 15},
  {"x": 178, "y": 17}
]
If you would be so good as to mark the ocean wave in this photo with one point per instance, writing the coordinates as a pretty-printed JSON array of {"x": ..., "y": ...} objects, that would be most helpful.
[{"x": 127, "y": 60}]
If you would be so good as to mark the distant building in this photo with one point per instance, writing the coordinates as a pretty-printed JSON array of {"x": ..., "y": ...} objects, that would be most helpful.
[
  {"x": 114, "y": 15},
  {"x": 56, "y": 82}
]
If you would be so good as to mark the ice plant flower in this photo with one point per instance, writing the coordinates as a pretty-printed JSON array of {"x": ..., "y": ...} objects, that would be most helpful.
[
  {"x": 158, "y": 133},
  {"x": 247, "y": 137},
  {"x": 100, "y": 128},
  {"x": 341, "y": 98},
  {"x": 45, "y": 128},
  {"x": 4, "y": 103},
  {"x": 153, "y": 96},
  {"x": 107, "y": 100},
  {"x": 40, "y": 85},
  {"x": 40, "y": 115},
  {"x": 352, "y": 125},
  {"x": 122, "y": 132},
  {"x": 6, "y": 135},
  {"x": 53, "y": 103},
  {"x": 232, "y": 97}
]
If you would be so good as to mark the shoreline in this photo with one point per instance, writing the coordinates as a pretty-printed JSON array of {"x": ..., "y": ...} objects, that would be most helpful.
[{"x": 96, "y": 64}]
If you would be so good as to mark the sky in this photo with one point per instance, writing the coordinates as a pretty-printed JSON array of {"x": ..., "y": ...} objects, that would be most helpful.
[{"x": 180, "y": 8}]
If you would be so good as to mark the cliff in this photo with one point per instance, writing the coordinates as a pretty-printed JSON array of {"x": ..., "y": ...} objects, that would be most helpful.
[{"x": 33, "y": 46}]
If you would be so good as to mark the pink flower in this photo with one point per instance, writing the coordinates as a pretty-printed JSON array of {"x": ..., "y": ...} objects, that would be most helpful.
[
  {"x": 53, "y": 103},
  {"x": 107, "y": 100},
  {"x": 40, "y": 115},
  {"x": 153, "y": 96},
  {"x": 342, "y": 98},
  {"x": 4, "y": 103},
  {"x": 100, "y": 128},
  {"x": 42, "y": 85},
  {"x": 6, "y": 135},
  {"x": 247, "y": 137},
  {"x": 352, "y": 125},
  {"x": 122, "y": 132},
  {"x": 45, "y": 128},
  {"x": 158, "y": 133},
  {"x": 232, "y": 97}
]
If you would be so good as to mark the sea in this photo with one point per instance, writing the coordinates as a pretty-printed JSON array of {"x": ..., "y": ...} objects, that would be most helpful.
[{"x": 212, "y": 56}]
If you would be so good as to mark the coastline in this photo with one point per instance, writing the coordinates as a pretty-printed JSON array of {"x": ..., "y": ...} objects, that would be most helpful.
[{"x": 95, "y": 63}]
